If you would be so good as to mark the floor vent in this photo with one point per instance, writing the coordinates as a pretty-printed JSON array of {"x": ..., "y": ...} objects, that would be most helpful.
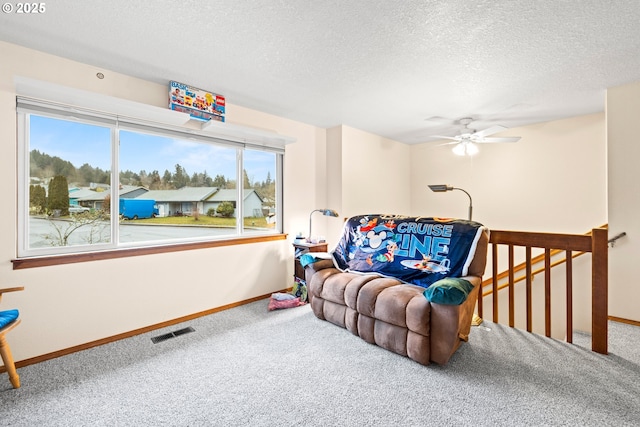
[{"x": 173, "y": 334}]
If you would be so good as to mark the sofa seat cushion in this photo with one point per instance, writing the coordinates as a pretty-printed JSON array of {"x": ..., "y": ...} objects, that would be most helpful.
[
  {"x": 395, "y": 303},
  {"x": 395, "y": 338},
  {"x": 404, "y": 306},
  {"x": 334, "y": 286},
  {"x": 352, "y": 291},
  {"x": 368, "y": 295}
]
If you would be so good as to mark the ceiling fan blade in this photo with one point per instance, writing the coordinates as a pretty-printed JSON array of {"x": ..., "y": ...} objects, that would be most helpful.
[
  {"x": 445, "y": 137},
  {"x": 448, "y": 143},
  {"x": 489, "y": 131},
  {"x": 499, "y": 139}
]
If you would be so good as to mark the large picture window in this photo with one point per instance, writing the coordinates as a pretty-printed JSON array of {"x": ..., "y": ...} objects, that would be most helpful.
[{"x": 171, "y": 185}]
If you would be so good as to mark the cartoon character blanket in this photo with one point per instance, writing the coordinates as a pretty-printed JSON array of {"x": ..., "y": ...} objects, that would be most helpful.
[{"x": 415, "y": 250}]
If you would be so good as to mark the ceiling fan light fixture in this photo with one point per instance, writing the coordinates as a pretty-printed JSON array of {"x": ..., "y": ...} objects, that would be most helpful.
[
  {"x": 467, "y": 148},
  {"x": 459, "y": 149}
]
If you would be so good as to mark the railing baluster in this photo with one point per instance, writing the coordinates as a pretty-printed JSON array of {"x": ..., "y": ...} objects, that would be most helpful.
[
  {"x": 511, "y": 293},
  {"x": 528, "y": 290},
  {"x": 569, "y": 261},
  {"x": 547, "y": 292},
  {"x": 495, "y": 283}
]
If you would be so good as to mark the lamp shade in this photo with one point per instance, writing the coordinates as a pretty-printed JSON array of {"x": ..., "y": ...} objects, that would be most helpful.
[
  {"x": 440, "y": 188},
  {"x": 328, "y": 212}
]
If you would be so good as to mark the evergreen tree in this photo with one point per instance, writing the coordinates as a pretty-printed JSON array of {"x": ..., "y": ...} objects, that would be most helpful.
[
  {"x": 58, "y": 195},
  {"x": 180, "y": 178},
  {"x": 135, "y": 179},
  {"x": 219, "y": 181},
  {"x": 247, "y": 181},
  {"x": 44, "y": 166},
  {"x": 32, "y": 195},
  {"x": 126, "y": 178},
  {"x": 206, "y": 180},
  {"x": 37, "y": 198},
  {"x": 86, "y": 174},
  {"x": 155, "y": 181},
  {"x": 196, "y": 180},
  {"x": 167, "y": 179},
  {"x": 102, "y": 177}
]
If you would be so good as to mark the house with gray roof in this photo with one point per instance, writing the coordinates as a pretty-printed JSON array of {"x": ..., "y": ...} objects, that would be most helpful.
[
  {"x": 182, "y": 201},
  {"x": 93, "y": 197},
  {"x": 187, "y": 200}
]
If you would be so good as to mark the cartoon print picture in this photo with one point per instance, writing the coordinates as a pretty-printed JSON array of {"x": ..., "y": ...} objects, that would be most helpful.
[
  {"x": 392, "y": 247},
  {"x": 426, "y": 264}
]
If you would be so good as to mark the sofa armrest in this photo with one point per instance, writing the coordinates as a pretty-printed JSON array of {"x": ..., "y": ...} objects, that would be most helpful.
[
  {"x": 313, "y": 268},
  {"x": 451, "y": 324}
]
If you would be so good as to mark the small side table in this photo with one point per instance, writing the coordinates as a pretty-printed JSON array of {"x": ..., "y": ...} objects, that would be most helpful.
[{"x": 303, "y": 248}]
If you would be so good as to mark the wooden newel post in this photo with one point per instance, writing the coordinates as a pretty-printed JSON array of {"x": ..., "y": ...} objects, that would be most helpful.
[{"x": 599, "y": 290}]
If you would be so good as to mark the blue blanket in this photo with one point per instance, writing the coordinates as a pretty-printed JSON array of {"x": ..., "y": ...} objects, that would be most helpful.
[{"x": 414, "y": 250}]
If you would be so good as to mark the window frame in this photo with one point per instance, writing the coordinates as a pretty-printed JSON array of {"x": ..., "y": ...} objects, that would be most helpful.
[{"x": 234, "y": 136}]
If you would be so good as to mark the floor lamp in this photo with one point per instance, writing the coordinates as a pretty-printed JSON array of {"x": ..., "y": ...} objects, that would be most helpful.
[{"x": 441, "y": 188}]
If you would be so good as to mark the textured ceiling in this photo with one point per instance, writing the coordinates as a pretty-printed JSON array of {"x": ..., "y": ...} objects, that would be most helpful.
[{"x": 402, "y": 69}]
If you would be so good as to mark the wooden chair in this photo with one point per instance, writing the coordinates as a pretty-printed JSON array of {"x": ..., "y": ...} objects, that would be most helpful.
[{"x": 8, "y": 321}]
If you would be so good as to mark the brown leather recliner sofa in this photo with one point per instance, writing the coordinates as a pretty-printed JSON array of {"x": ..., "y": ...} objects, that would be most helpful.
[{"x": 392, "y": 314}]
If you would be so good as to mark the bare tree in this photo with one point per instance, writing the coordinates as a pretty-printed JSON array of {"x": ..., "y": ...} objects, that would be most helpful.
[{"x": 95, "y": 227}]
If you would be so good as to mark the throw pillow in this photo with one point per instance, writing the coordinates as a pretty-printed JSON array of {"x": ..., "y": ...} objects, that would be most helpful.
[
  {"x": 7, "y": 317},
  {"x": 449, "y": 291}
]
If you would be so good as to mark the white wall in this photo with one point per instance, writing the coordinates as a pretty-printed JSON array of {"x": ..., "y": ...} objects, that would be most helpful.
[
  {"x": 366, "y": 174},
  {"x": 109, "y": 297},
  {"x": 623, "y": 110},
  {"x": 335, "y": 185},
  {"x": 375, "y": 174}
]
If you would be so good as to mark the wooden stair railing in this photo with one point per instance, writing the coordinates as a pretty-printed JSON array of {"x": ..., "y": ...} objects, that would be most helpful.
[
  {"x": 534, "y": 261},
  {"x": 539, "y": 259},
  {"x": 595, "y": 242}
]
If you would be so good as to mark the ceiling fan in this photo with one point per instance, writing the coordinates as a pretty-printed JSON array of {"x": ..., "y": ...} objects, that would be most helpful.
[{"x": 465, "y": 142}]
